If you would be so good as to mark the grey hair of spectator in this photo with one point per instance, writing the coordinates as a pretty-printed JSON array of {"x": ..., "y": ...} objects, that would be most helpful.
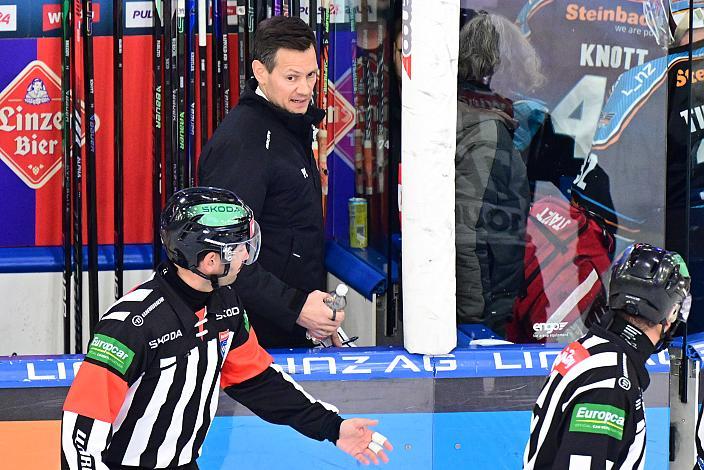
[
  {"x": 478, "y": 50},
  {"x": 519, "y": 72}
]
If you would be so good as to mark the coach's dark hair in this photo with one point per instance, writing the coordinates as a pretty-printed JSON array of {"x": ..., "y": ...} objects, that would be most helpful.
[{"x": 281, "y": 32}]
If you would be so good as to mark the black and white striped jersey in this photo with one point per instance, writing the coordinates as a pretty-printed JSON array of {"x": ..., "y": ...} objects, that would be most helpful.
[
  {"x": 589, "y": 414},
  {"x": 147, "y": 390}
]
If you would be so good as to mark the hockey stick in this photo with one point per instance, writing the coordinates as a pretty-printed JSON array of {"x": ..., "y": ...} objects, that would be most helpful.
[
  {"x": 225, "y": 60},
  {"x": 181, "y": 159},
  {"x": 242, "y": 44},
  {"x": 118, "y": 176},
  {"x": 191, "y": 95},
  {"x": 251, "y": 26},
  {"x": 358, "y": 111},
  {"x": 174, "y": 92},
  {"x": 217, "y": 63},
  {"x": 66, "y": 162},
  {"x": 77, "y": 169},
  {"x": 367, "y": 78},
  {"x": 313, "y": 15},
  {"x": 167, "y": 96},
  {"x": 156, "y": 149},
  {"x": 91, "y": 181},
  {"x": 202, "y": 52},
  {"x": 381, "y": 131},
  {"x": 323, "y": 100}
]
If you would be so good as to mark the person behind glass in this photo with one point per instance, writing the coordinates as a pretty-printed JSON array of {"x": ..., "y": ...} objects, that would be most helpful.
[
  {"x": 491, "y": 187},
  {"x": 262, "y": 150},
  {"x": 590, "y": 412}
]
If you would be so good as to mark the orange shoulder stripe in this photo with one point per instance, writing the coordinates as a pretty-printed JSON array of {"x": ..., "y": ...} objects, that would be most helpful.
[
  {"x": 245, "y": 362},
  {"x": 96, "y": 393}
]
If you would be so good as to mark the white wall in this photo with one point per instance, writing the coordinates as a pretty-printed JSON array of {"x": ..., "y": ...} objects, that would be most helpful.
[{"x": 31, "y": 310}]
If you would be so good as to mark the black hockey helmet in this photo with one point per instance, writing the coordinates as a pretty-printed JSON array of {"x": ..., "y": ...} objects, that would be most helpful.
[
  {"x": 203, "y": 219},
  {"x": 648, "y": 282}
]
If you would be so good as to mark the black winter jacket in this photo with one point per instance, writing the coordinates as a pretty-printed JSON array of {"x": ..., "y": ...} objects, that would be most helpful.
[
  {"x": 263, "y": 153},
  {"x": 491, "y": 207}
]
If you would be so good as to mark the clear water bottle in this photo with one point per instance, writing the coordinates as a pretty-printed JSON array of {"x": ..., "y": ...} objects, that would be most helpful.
[{"x": 337, "y": 299}]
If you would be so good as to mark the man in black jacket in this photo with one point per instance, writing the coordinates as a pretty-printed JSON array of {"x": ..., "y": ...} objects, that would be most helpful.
[
  {"x": 590, "y": 412},
  {"x": 263, "y": 151},
  {"x": 147, "y": 392}
]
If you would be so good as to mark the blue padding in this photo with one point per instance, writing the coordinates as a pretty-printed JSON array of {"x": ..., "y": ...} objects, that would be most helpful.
[
  {"x": 348, "y": 364},
  {"x": 51, "y": 258},
  {"x": 360, "y": 269}
]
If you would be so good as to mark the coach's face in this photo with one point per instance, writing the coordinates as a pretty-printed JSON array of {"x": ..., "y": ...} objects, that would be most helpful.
[{"x": 291, "y": 83}]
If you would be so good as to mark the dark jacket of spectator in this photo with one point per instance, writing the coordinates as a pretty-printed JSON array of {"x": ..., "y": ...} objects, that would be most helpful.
[{"x": 491, "y": 204}]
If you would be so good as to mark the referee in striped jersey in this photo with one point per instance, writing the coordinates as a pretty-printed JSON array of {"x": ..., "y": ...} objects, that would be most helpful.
[
  {"x": 147, "y": 390},
  {"x": 589, "y": 414}
]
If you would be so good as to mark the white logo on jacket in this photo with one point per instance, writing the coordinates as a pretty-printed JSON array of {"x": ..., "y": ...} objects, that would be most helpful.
[{"x": 268, "y": 139}]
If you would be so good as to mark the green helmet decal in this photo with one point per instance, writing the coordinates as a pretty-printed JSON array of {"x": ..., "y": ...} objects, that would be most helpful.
[
  {"x": 217, "y": 214},
  {"x": 202, "y": 219},
  {"x": 683, "y": 266}
]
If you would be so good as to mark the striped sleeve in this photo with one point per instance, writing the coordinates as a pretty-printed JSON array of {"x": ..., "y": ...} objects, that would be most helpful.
[
  {"x": 249, "y": 377},
  {"x": 92, "y": 403},
  {"x": 98, "y": 392},
  {"x": 274, "y": 396}
]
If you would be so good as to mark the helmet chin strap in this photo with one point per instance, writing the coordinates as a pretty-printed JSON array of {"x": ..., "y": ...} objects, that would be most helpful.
[{"x": 213, "y": 278}]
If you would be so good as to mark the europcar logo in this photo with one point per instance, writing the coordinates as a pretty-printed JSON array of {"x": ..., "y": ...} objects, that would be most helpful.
[
  {"x": 407, "y": 36},
  {"x": 31, "y": 124}
]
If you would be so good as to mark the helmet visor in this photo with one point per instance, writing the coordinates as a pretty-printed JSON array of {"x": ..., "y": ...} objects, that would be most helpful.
[{"x": 245, "y": 251}]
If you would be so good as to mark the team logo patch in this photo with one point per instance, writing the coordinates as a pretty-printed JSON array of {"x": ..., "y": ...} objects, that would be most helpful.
[
  {"x": 598, "y": 419},
  {"x": 223, "y": 336},
  {"x": 111, "y": 352},
  {"x": 245, "y": 318},
  {"x": 572, "y": 355}
]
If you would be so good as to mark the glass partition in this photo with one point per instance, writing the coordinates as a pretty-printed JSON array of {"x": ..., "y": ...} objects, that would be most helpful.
[{"x": 561, "y": 158}]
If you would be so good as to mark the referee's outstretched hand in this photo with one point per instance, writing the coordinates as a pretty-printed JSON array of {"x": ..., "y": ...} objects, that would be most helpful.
[{"x": 361, "y": 442}]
